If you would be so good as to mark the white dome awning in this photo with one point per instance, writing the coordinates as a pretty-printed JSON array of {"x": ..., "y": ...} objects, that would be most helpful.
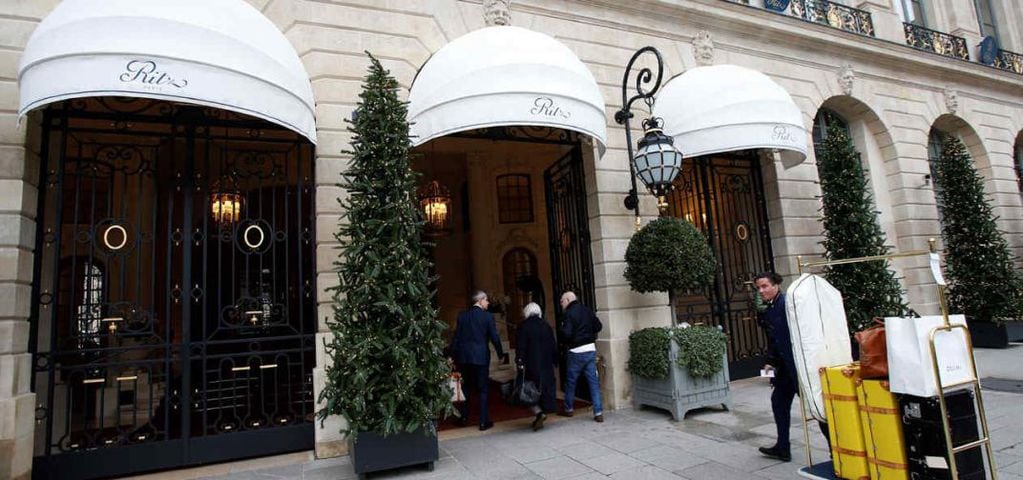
[
  {"x": 724, "y": 108},
  {"x": 218, "y": 53},
  {"x": 504, "y": 76}
]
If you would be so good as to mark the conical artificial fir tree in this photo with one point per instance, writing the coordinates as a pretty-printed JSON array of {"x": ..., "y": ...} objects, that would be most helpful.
[
  {"x": 388, "y": 372},
  {"x": 851, "y": 229},
  {"x": 982, "y": 282}
]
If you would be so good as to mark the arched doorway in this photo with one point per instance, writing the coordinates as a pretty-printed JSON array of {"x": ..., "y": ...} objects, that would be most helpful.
[
  {"x": 172, "y": 313},
  {"x": 174, "y": 279},
  {"x": 727, "y": 119},
  {"x": 507, "y": 120}
]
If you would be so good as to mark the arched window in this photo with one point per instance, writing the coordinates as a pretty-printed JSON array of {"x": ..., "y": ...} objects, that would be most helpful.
[
  {"x": 514, "y": 199},
  {"x": 521, "y": 285},
  {"x": 823, "y": 122}
]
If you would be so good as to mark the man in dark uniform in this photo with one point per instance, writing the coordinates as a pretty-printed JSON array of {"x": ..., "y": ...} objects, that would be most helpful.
[
  {"x": 780, "y": 361},
  {"x": 475, "y": 328}
]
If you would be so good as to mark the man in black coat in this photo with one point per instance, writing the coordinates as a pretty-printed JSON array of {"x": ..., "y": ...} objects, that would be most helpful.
[
  {"x": 780, "y": 361},
  {"x": 536, "y": 352},
  {"x": 475, "y": 328},
  {"x": 579, "y": 333}
]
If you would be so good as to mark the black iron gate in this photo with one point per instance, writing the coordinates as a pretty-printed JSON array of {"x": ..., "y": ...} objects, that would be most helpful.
[
  {"x": 723, "y": 196},
  {"x": 173, "y": 318},
  {"x": 569, "y": 234},
  {"x": 568, "y": 228}
]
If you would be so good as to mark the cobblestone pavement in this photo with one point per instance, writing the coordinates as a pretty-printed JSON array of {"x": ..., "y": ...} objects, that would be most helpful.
[{"x": 632, "y": 444}]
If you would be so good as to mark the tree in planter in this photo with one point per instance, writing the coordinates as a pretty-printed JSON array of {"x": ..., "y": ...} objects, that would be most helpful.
[
  {"x": 869, "y": 289},
  {"x": 388, "y": 371},
  {"x": 982, "y": 282},
  {"x": 669, "y": 254}
]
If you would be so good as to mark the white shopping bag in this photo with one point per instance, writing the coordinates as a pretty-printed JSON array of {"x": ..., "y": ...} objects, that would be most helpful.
[{"x": 909, "y": 354}]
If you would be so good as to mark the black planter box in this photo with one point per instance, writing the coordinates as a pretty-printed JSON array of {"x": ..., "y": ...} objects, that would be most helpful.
[
  {"x": 372, "y": 453},
  {"x": 989, "y": 335}
]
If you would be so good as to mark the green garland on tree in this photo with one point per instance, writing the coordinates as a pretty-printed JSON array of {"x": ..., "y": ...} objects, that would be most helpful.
[
  {"x": 982, "y": 282},
  {"x": 851, "y": 229},
  {"x": 387, "y": 372}
]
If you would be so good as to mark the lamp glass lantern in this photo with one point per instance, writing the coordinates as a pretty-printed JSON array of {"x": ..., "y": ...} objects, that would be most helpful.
[
  {"x": 435, "y": 203},
  {"x": 226, "y": 203},
  {"x": 657, "y": 162}
]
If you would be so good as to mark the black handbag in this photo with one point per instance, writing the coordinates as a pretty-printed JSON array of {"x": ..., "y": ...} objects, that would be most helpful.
[{"x": 525, "y": 392}]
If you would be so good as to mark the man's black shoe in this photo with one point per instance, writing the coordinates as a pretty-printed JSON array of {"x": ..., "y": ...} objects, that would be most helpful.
[
  {"x": 486, "y": 426},
  {"x": 775, "y": 452},
  {"x": 538, "y": 421},
  {"x": 462, "y": 422}
]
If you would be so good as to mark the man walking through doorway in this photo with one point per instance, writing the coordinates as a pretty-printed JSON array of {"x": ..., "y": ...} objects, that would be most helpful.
[
  {"x": 579, "y": 332},
  {"x": 472, "y": 354}
]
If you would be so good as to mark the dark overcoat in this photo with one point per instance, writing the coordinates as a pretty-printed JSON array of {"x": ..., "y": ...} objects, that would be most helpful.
[
  {"x": 537, "y": 351},
  {"x": 475, "y": 329}
]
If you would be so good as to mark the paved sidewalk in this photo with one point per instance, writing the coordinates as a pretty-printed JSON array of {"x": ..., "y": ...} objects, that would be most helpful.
[{"x": 633, "y": 444}]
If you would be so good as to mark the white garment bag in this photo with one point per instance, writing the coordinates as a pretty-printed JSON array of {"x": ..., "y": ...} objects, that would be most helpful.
[{"x": 819, "y": 333}]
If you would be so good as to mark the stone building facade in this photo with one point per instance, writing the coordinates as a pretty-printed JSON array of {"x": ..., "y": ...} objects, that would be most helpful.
[{"x": 890, "y": 93}]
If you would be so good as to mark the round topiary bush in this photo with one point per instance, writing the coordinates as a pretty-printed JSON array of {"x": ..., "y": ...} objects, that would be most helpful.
[{"x": 669, "y": 254}]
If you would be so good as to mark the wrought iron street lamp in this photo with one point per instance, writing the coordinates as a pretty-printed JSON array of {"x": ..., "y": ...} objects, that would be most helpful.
[{"x": 657, "y": 162}]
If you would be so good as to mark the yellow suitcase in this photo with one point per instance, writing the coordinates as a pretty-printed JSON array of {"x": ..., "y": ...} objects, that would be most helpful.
[
  {"x": 844, "y": 426},
  {"x": 882, "y": 431}
]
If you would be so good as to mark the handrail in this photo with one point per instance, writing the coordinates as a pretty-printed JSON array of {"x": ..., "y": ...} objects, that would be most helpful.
[
  {"x": 923, "y": 38},
  {"x": 835, "y": 15}
]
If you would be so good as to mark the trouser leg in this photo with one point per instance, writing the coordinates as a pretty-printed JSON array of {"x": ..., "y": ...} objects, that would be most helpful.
[
  {"x": 781, "y": 406},
  {"x": 590, "y": 370}
]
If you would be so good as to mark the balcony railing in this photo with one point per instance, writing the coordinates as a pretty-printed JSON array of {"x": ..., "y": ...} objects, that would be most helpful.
[
  {"x": 1010, "y": 61},
  {"x": 934, "y": 41},
  {"x": 838, "y": 16}
]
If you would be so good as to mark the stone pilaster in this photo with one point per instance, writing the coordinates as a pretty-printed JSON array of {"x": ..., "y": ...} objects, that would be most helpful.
[{"x": 887, "y": 23}]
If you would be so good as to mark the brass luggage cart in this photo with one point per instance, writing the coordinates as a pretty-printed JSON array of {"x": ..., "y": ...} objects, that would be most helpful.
[{"x": 825, "y": 470}]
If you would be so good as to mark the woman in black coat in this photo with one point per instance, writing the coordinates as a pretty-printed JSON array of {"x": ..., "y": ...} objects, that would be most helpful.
[{"x": 537, "y": 351}]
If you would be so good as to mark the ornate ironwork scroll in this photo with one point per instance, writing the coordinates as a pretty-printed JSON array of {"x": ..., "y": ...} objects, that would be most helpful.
[
  {"x": 835, "y": 15},
  {"x": 159, "y": 333},
  {"x": 1010, "y": 61},
  {"x": 723, "y": 197},
  {"x": 942, "y": 43}
]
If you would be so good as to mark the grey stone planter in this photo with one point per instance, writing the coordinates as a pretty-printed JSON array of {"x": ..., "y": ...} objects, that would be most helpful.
[{"x": 679, "y": 392}]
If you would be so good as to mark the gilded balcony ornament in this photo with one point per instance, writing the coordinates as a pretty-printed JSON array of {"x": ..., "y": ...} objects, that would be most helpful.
[
  {"x": 942, "y": 43},
  {"x": 1010, "y": 61},
  {"x": 834, "y": 15}
]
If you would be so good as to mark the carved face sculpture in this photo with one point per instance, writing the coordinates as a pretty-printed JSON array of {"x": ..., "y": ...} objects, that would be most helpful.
[
  {"x": 703, "y": 48},
  {"x": 951, "y": 100},
  {"x": 846, "y": 78},
  {"x": 495, "y": 12}
]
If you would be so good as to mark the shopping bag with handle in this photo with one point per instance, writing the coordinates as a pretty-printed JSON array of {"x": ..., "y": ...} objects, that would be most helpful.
[{"x": 909, "y": 354}]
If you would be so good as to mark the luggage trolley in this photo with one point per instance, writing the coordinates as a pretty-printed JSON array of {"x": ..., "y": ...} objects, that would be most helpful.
[{"x": 825, "y": 470}]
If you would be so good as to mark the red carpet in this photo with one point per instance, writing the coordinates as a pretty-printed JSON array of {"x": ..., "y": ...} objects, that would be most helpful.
[{"x": 500, "y": 410}]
